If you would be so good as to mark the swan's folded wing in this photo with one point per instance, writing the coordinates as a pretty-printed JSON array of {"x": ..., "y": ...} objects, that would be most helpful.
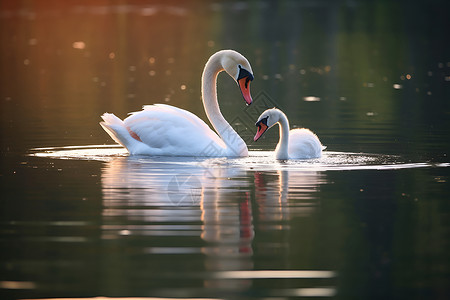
[
  {"x": 175, "y": 111},
  {"x": 175, "y": 130}
]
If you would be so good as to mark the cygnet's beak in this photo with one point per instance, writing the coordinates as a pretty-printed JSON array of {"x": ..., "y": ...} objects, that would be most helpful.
[
  {"x": 243, "y": 80},
  {"x": 262, "y": 127}
]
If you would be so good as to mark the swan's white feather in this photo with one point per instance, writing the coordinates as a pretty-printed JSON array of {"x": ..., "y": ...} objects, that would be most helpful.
[
  {"x": 164, "y": 130},
  {"x": 167, "y": 130},
  {"x": 117, "y": 130},
  {"x": 303, "y": 143}
]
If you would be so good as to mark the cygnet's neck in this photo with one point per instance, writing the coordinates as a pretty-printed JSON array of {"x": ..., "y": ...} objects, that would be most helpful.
[{"x": 282, "y": 147}]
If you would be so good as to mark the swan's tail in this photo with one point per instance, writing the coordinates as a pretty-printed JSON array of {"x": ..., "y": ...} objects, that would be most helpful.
[{"x": 117, "y": 130}]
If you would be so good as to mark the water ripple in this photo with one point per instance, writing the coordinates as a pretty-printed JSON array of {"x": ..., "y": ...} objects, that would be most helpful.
[{"x": 256, "y": 161}]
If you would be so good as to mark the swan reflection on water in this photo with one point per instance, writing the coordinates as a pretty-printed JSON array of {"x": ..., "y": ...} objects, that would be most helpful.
[
  {"x": 177, "y": 190},
  {"x": 202, "y": 198},
  {"x": 213, "y": 208},
  {"x": 133, "y": 185}
]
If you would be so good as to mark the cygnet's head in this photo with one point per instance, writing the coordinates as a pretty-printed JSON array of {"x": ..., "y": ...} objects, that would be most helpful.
[{"x": 266, "y": 120}]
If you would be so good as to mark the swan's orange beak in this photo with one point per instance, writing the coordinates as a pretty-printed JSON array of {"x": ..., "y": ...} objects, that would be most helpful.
[
  {"x": 261, "y": 129},
  {"x": 244, "y": 85},
  {"x": 243, "y": 80}
]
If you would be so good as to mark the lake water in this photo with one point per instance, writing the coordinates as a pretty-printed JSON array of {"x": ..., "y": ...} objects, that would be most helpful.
[{"x": 369, "y": 220}]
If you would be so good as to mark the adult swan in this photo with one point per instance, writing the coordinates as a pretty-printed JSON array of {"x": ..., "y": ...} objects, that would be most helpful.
[{"x": 161, "y": 129}]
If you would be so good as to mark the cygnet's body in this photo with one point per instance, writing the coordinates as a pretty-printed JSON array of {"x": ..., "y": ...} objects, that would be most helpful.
[{"x": 300, "y": 143}]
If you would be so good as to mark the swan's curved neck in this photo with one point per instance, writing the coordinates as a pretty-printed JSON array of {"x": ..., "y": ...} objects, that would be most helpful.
[
  {"x": 282, "y": 148},
  {"x": 235, "y": 144}
]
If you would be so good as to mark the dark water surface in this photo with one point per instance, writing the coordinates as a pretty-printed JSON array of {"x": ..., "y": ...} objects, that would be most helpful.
[{"x": 368, "y": 220}]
